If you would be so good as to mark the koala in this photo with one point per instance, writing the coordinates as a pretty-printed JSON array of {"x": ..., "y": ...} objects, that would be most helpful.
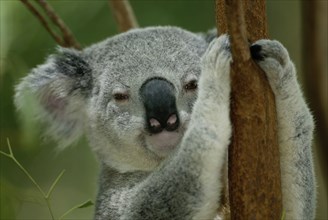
[{"x": 154, "y": 105}]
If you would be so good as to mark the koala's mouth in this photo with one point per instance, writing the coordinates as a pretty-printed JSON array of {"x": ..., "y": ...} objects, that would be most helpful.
[{"x": 164, "y": 142}]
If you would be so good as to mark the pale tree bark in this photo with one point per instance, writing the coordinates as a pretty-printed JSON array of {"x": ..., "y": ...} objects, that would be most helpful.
[
  {"x": 123, "y": 14},
  {"x": 254, "y": 165},
  {"x": 315, "y": 57}
]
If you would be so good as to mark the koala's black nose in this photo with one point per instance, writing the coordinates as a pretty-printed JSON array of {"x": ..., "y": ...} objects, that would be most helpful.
[{"x": 159, "y": 100}]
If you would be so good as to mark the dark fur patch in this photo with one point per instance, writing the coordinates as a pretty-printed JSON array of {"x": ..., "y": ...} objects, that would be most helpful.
[
  {"x": 72, "y": 64},
  {"x": 256, "y": 52}
]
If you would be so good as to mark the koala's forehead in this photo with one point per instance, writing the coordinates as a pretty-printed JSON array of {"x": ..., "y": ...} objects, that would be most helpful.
[{"x": 142, "y": 53}]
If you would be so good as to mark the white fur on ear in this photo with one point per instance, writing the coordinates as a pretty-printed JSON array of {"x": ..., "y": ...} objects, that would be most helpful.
[{"x": 59, "y": 89}]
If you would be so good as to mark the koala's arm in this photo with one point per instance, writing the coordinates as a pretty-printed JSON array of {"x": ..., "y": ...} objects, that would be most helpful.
[
  {"x": 295, "y": 128},
  {"x": 187, "y": 185}
]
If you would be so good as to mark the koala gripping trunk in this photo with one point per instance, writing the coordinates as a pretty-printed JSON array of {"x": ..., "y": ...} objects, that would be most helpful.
[{"x": 254, "y": 166}]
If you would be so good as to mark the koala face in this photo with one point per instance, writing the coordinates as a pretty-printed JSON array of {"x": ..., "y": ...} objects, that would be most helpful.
[
  {"x": 142, "y": 99},
  {"x": 133, "y": 94}
]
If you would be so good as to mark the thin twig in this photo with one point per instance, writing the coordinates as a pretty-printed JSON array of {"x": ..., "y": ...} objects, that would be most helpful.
[
  {"x": 43, "y": 21},
  {"x": 84, "y": 204},
  {"x": 123, "y": 14},
  {"x": 45, "y": 196},
  {"x": 68, "y": 37},
  {"x": 55, "y": 183},
  {"x": 12, "y": 157}
]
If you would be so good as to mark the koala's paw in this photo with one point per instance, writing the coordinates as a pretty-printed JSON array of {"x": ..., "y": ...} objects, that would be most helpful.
[
  {"x": 215, "y": 64},
  {"x": 217, "y": 58},
  {"x": 273, "y": 58}
]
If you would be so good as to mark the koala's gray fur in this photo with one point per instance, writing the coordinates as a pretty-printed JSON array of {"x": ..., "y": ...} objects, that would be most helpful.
[{"x": 171, "y": 174}]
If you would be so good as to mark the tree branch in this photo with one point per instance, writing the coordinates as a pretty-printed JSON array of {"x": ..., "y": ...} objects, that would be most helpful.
[
  {"x": 254, "y": 166},
  {"x": 123, "y": 14},
  {"x": 67, "y": 39},
  {"x": 237, "y": 31},
  {"x": 43, "y": 21}
]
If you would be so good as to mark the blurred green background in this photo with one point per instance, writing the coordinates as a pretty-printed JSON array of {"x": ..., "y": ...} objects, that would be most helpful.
[{"x": 25, "y": 44}]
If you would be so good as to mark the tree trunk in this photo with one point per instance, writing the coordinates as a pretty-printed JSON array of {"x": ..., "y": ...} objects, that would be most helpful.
[
  {"x": 315, "y": 67},
  {"x": 254, "y": 165}
]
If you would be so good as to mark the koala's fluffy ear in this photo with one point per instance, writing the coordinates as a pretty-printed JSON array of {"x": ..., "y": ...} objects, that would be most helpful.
[{"x": 59, "y": 88}]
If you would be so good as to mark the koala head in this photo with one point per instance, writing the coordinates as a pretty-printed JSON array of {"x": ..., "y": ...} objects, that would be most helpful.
[{"x": 132, "y": 95}]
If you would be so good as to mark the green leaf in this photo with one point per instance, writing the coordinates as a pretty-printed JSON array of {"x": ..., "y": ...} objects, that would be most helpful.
[{"x": 80, "y": 206}]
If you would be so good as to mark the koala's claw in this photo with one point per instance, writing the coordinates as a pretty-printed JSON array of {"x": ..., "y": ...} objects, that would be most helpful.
[
  {"x": 263, "y": 49},
  {"x": 273, "y": 58},
  {"x": 256, "y": 52},
  {"x": 217, "y": 52},
  {"x": 224, "y": 45}
]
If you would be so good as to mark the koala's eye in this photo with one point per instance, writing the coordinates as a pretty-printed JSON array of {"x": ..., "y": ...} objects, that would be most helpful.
[
  {"x": 191, "y": 86},
  {"x": 121, "y": 97}
]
